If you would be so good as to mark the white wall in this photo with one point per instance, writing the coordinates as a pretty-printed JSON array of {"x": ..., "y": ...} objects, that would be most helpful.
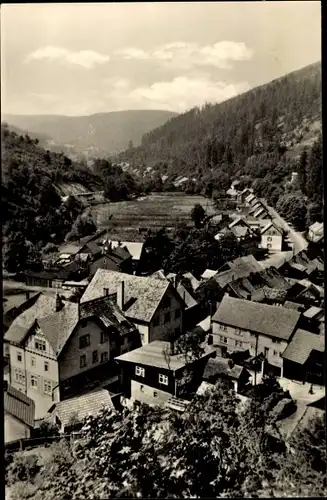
[
  {"x": 248, "y": 340},
  {"x": 15, "y": 429},
  {"x": 146, "y": 394},
  {"x": 274, "y": 240}
]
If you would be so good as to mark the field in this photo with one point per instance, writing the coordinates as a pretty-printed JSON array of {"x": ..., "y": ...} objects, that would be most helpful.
[{"x": 131, "y": 219}]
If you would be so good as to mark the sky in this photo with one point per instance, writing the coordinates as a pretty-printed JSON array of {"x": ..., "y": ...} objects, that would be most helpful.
[{"x": 79, "y": 59}]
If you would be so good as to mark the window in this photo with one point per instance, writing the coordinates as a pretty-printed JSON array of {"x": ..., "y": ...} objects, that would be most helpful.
[
  {"x": 84, "y": 341},
  {"x": 155, "y": 394},
  {"x": 223, "y": 339},
  {"x": 177, "y": 330},
  {"x": 47, "y": 387},
  {"x": 156, "y": 321},
  {"x": 34, "y": 381},
  {"x": 177, "y": 313},
  {"x": 269, "y": 238},
  {"x": 94, "y": 356},
  {"x": 33, "y": 362},
  {"x": 19, "y": 357},
  {"x": 266, "y": 351},
  {"x": 46, "y": 366},
  {"x": 238, "y": 331},
  {"x": 20, "y": 376},
  {"x": 238, "y": 343},
  {"x": 104, "y": 337},
  {"x": 82, "y": 361},
  {"x": 40, "y": 345},
  {"x": 280, "y": 355},
  {"x": 275, "y": 353},
  {"x": 163, "y": 379},
  {"x": 139, "y": 371},
  {"x": 276, "y": 341},
  {"x": 104, "y": 357},
  {"x": 268, "y": 245},
  {"x": 142, "y": 388},
  {"x": 167, "y": 317},
  {"x": 142, "y": 337}
]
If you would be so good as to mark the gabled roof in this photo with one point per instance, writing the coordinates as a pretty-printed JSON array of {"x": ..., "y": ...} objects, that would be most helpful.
[
  {"x": 259, "y": 212},
  {"x": 186, "y": 297},
  {"x": 92, "y": 248},
  {"x": 240, "y": 232},
  {"x": 268, "y": 226},
  {"x": 244, "y": 265},
  {"x": 316, "y": 227},
  {"x": 133, "y": 247},
  {"x": 57, "y": 327},
  {"x": 44, "y": 306},
  {"x": 194, "y": 282},
  {"x": 71, "y": 248},
  {"x": 208, "y": 273},
  {"x": 19, "y": 406},
  {"x": 274, "y": 321},
  {"x": 153, "y": 354},
  {"x": 239, "y": 221},
  {"x": 142, "y": 294},
  {"x": 313, "y": 311},
  {"x": 301, "y": 345},
  {"x": 82, "y": 406},
  {"x": 218, "y": 366}
]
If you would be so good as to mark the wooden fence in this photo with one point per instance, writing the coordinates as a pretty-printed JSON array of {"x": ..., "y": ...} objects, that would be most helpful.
[{"x": 30, "y": 443}]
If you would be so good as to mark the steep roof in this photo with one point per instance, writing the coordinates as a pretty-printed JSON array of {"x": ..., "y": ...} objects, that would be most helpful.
[
  {"x": 268, "y": 226},
  {"x": 133, "y": 247},
  {"x": 316, "y": 227},
  {"x": 273, "y": 321},
  {"x": 208, "y": 273},
  {"x": 44, "y": 306},
  {"x": 245, "y": 265},
  {"x": 239, "y": 231},
  {"x": 301, "y": 345},
  {"x": 142, "y": 294},
  {"x": 186, "y": 297},
  {"x": 194, "y": 282},
  {"x": 313, "y": 311},
  {"x": 239, "y": 221},
  {"x": 153, "y": 354},
  {"x": 57, "y": 327},
  {"x": 18, "y": 405},
  {"x": 218, "y": 366},
  {"x": 82, "y": 406}
]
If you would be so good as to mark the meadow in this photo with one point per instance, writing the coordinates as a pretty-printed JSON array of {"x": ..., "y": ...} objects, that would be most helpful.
[{"x": 133, "y": 218}]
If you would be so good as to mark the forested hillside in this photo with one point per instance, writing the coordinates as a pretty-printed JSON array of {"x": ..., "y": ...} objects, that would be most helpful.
[
  {"x": 250, "y": 134},
  {"x": 97, "y": 134}
]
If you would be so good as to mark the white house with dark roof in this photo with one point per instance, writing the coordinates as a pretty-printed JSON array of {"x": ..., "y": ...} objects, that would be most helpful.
[
  {"x": 316, "y": 232},
  {"x": 272, "y": 237},
  {"x": 58, "y": 347},
  {"x": 19, "y": 414},
  {"x": 240, "y": 325},
  {"x": 153, "y": 305}
]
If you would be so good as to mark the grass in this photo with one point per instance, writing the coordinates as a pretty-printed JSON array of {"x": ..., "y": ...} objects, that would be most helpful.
[{"x": 153, "y": 211}]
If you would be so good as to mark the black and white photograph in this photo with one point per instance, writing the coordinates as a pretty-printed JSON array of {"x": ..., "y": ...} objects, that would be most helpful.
[{"x": 163, "y": 250}]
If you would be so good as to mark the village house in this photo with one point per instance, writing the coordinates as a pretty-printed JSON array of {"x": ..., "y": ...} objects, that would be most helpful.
[
  {"x": 240, "y": 229},
  {"x": 19, "y": 413},
  {"x": 57, "y": 348},
  {"x": 240, "y": 325},
  {"x": 272, "y": 237},
  {"x": 303, "y": 359},
  {"x": 113, "y": 259},
  {"x": 153, "y": 305},
  {"x": 153, "y": 373},
  {"x": 242, "y": 195},
  {"x": 219, "y": 368},
  {"x": 316, "y": 232},
  {"x": 135, "y": 249},
  {"x": 70, "y": 413},
  {"x": 14, "y": 304}
]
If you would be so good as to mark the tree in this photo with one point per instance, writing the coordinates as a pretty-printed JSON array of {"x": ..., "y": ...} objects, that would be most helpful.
[
  {"x": 302, "y": 171},
  {"x": 198, "y": 215},
  {"x": 294, "y": 209}
]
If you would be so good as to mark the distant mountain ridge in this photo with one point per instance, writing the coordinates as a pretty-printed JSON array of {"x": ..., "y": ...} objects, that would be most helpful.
[
  {"x": 259, "y": 126},
  {"x": 101, "y": 133}
]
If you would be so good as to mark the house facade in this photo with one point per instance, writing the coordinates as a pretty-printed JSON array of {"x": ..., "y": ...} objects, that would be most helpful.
[
  {"x": 272, "y": 238},
  {"x": 241, "y": 325},
  {"x": 153, "y": 373},
  {"x": 316, "y": 232},
  {"x": 64, "y": 347},
  {"x": 153, "y": 305}
]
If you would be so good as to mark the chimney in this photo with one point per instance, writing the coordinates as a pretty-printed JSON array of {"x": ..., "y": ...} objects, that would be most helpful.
[
  {"x": 106, "y": 292},
  {"x": 121, "y": 295}
]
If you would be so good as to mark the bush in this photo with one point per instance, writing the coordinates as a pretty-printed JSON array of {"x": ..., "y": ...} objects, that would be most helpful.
[
  {"x": 50, "y": 248},
  {"x": 22, "y": 468}
]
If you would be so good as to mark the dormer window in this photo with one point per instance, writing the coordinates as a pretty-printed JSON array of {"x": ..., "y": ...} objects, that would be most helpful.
[{"x": 40, "y": 345}]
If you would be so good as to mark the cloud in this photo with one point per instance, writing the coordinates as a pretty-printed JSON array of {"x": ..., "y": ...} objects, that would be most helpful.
[
  {"x": 180, "y": 94},
  {"x": 185, "y": 55},
  {"x": 85, "y": 58}
]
